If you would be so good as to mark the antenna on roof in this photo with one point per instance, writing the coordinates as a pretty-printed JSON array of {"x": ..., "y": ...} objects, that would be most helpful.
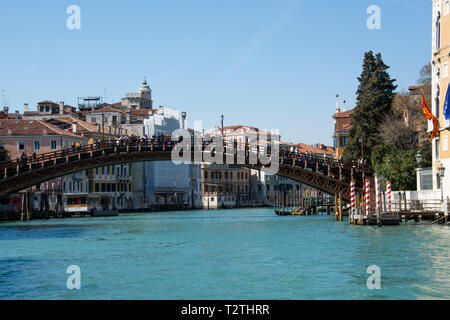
[
  {"x": 3, "y": 97},
  {"x": 104, "y": 95}
]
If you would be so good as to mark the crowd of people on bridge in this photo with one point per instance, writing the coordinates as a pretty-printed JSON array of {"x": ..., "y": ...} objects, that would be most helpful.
[{"x": 165, "y": 142}]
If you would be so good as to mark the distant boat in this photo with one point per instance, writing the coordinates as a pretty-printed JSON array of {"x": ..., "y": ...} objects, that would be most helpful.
[{"x": 385, "y": 220}]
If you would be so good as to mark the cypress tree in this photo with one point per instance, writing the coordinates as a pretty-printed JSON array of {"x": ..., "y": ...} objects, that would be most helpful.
[{"x": 374, "y": 100}]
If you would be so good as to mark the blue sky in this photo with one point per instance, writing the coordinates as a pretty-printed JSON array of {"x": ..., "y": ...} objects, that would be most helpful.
[{"x": 271, "y": 64}]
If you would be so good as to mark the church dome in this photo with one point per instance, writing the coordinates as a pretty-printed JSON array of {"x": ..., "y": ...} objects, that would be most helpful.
[{"x": 144, "y": 87}]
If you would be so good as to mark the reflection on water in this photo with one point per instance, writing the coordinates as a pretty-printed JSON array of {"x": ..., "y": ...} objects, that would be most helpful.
[{"x": 231, "y": 254}]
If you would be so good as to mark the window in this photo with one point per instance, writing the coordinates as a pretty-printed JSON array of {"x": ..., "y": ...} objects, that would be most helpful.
[
  {"x": 37, "y": 145},
  {"x": 445, "y": 143},
  {"x": 446, "y": 7},
  {"x": 21, "y": 145},
  {"x": 53, "y": 144},
  {"x": 437, "y": 147},
  {"x": 438, "y": 32},
  {"x": 343, "y": 141},
  {"x": 445, "y": 70},
  {"x": 437, "y": 102},
  {"x": 94, "y": 120},
  {"x": 47, "y": 108},
  {"x": 42, "y": 108}
]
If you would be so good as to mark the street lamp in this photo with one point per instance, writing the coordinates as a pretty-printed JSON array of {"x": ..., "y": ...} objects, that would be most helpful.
[
  {"x": 419, "y": 158},
  {"x": 441, "y": 173}
]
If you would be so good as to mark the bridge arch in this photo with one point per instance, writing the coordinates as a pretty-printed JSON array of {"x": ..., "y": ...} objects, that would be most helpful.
[{"x": 316, "y": 172}]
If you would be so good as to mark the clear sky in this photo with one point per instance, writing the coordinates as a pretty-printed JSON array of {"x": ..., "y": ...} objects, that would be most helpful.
[{"x": 274, "y": 64}]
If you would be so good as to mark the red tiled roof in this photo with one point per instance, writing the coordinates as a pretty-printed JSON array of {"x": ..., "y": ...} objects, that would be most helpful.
[
  {"x": 28, "y": 127},
  {"x": 247, "y": 129},
  {"x": 46, "y": 102},
  {"x": 106, "y": 109},
  {"x": 307, "y": 148},
  {"x": 83, "y": 125},
  {"x": 4, "y": 115},
  {"x": 344, "y": 114},
  {"x": 143, "y": 112}
]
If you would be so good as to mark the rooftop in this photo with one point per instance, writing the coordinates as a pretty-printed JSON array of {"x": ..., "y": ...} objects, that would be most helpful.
[{"x": 21, "y": 127}]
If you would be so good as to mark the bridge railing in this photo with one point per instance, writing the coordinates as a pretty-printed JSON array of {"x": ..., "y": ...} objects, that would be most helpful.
[{"x": 299, "y": 159}]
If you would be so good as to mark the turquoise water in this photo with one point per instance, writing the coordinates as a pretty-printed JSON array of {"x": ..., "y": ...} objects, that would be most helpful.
[{"x": 230, "y": 254}]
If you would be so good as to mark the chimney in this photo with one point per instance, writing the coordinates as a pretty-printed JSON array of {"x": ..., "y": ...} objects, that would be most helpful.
[
  {"x": 17, "y": 114},
  {"x": 345, "y": 106},
  {"x": 25, "y": 107},
  {"x": 338, "y": 109},
  {"x": 61, "y": 107},
  {"x": 9, "y": 132},
  {"x": 6, "y": 110},
  {"x": 44, "y": 131},
  {"x": 74, "y": 127}
]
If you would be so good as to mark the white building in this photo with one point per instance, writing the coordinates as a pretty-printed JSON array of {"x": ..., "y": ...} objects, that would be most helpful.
[
  {"x": 142, "y": 99},
  {"x": 166, "y": 183}
]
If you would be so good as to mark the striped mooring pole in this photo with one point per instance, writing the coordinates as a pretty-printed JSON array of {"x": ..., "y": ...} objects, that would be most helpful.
[
  {"x": 367, "y": 197},
  {"x": 378, "y": 183},
  {"x": 388, "y": 187},
  {"x": 352, "y": 200},
  {"x": 378, "y": 196}
]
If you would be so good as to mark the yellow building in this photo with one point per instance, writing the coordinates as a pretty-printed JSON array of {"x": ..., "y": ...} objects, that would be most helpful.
[{"x": 440, "y": 81}]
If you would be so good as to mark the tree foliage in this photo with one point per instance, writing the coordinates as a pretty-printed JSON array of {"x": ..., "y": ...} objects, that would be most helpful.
[
  {"x": 403, "y": 133},
  {"x": 405, "y": 126},
  {"x": 374, "y": 101},
  {"x": 4, "y": 154},
  {"x": 425, "y": 81},
  {"x": 399, "y": 167}
]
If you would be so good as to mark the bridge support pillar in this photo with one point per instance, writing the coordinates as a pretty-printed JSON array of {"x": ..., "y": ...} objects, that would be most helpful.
[
  {"x": 26, "y": 213},
  {"x": 335, "y": 211}
]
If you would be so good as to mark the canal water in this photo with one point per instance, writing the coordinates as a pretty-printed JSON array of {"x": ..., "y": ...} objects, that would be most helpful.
[{"x": 229, "y": 254}]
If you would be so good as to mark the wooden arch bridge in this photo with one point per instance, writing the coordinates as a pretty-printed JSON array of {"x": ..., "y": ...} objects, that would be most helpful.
[{"x": 328, "y": 175}]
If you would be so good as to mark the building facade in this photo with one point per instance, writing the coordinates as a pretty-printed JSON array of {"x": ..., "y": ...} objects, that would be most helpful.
[
  {"x": 440, "y": 84},
  {"x": 225, "y": 186},
  {"x": 142, "y": 99}
]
